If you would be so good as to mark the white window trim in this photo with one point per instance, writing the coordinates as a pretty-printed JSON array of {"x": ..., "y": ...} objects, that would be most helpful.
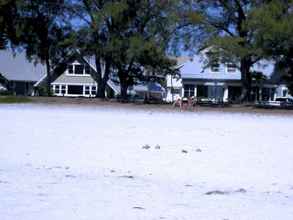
[
  {"x": 75, "y": 84},
  {"x": 54, "y": 90},
  {"x": 91, "y": 90},
  {"x": 73, "y": 74},
  {"x": 230, "y": 72}
]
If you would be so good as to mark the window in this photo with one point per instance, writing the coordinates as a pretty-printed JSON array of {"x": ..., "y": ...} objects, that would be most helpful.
[
  {"x": 268, "y": 94},
  {"x": 231, "y": 67},
  {"x": 188, "y": 90},
  {"x": 75, "y": 90},
  {"x": 86, "y": 90},
  {"x": 57, "y": 89},
  {"x": 63, "y": 89},
  {"x": 94, "y": 90},
  {"x": 234, "y": 93},
  {"x": 78, "y": 69},
  {"x": 87, "y": 69},
  {"x": 202, "y": 91},
  {"x": 285, "y": 92},
  {"x": 215, "y": 67},
  {"x": 70, "y": 69},
  {"x": 216, "y": 92}
]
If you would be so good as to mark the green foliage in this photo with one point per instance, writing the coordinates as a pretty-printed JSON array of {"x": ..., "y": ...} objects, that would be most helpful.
[
  {"x": 13, "y": 99},
  {"x": 9, "y": 25},
  {"x": 224, "y": 27},
  {"x": 128, "y": 35},
  {"x": 273, "y": 24}
]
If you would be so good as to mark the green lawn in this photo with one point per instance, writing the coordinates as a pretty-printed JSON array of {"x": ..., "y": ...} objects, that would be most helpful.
[{"x": 14, "y": 99}]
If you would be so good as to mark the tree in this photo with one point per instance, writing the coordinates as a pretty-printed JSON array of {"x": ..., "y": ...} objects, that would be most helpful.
[
  {"x": 9, "y": 25},
  {"x": 125, "y": 36},
  {"x": 37, "y": 27},
  {"x": 221, "y": 25},
  {"x": 45, "y": 32},
  {"x": 273, "y": 23},
  {"x": 139, "y": 34},
  {"x": 92, "y": 38}
]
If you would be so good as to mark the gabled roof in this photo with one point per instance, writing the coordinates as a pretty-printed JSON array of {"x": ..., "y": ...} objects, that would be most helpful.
[
  {"x": 2, "y": 87},
  {"x": 18, "y": 68},
  {"x": 196, "y": 68}
]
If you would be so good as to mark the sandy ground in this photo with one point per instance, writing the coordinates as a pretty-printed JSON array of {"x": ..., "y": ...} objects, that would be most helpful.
[{"x": 92, "y": 162}]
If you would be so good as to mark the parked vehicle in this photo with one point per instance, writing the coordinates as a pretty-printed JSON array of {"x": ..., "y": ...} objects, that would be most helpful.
[{"x": 279, "y": 103}]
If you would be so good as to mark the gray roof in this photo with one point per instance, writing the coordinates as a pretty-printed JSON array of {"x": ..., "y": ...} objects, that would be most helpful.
[
  {"x": 74, "y": 79},
  {"x": 2, "y": 87},
  {"x": 18, "y": 68},
  {"x": 195, "y": 69}
]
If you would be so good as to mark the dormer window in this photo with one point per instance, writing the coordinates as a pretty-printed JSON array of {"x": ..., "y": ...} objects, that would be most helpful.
[
  {"x": 78, "y": 69},
  {"x": 231, "y": 67},
  {"x": 215, "y": 67},
  {"x": 70, "y": 69}
]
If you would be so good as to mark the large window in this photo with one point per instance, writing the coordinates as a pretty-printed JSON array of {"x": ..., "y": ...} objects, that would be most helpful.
[
  {"x": 216, "y": 92},
  {"x": 86, "y": 90},
  {"x": 57, "y": 89},
  {"x": 78, "y": 69},
  {"x": 234, "y": 93},
  {"x": 188, "y": 90},
  {"x": 75, "y": 90},
  {"x": 94, "y": 90},
  {"x": 70, "y": 69},
  {"x": 202, "y": 91},
  {"x": 63, "y": 89}
]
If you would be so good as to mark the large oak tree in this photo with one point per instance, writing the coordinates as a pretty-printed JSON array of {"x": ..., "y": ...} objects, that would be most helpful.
[
  {"x": 273, "y": 25},
  {"x": 127, "y": 37},
  {"x": 222, "y": 26}
]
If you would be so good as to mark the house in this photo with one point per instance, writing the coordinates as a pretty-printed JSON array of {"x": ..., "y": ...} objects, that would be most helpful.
[
  {"x": 75, "y": 78},
  {"x": 222, "y": 81},
  {"x": 17, "y": 74}
]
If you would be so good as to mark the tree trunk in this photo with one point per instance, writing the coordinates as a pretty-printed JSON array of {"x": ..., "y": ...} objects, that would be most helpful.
[
  {"x": 48, "y": 67},
  {"x": 98, "y": 77},
  {"x": 104, "y": 79},
  {"x": 245, "y": 79},
  {"x": 123, "y": 86}
]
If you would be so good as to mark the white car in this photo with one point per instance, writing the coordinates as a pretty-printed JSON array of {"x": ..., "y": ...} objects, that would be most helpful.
[{"x": 280, "y": 102}]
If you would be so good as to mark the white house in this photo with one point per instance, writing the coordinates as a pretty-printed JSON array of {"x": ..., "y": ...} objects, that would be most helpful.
[
  {"x": 75, "y": 79},
  {"x": 221, "y": 81}
]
